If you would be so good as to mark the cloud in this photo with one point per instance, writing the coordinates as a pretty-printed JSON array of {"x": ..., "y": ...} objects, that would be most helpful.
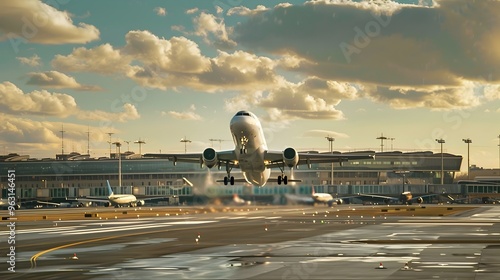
[
  {"x": 244, "y": 11},
  {"x": 39, "y": 138},
  {"x": 129, "y": 113},
  {"x": 192, "y": 11},
  {"x": 14, "y": 100},
  {"x": 312, "y": 98},
  {"x": 175, "y": 55},
  {"x": 58, "y": 80},
  {"x": 36, "y": 22},
  {"x": 213, "y": 30},
  {"x": 102, "y": 59},
  {"x": 379, "y": 44},
  {"x": 445, "y": 98},
  {"x": 30, "y": 61},
  {"x": 160, "y": 11},
  {"x": 186, "y": 115},
  {"x": 169, "y": 63},
  {"x": 43, "y": 103},
  {"x": 315, "y": 133}
]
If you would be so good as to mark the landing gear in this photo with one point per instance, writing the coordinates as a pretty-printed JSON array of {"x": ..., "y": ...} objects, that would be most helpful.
[
  {"x": 282, "y": 178},
  {"x": 228, "y": 179}
]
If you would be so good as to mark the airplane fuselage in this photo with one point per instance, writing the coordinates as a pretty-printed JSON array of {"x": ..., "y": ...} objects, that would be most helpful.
[
  {"x": 122, "y": 199},
  {"x": 250, "y": 146}
]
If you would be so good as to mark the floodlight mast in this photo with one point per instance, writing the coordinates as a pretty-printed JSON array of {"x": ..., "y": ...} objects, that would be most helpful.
[
  {"x": 185, "y": 141},
  {"x": 441, "y": 141},
  {"x": 331, "y": 139},
  {"x": 468, "y": 142},
  {"x": 118, "y": 145}
]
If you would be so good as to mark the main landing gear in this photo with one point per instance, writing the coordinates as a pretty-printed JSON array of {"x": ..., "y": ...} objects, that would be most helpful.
[
  {"x": 282, "y": 178},
  {"x": 228, "y": 179}
]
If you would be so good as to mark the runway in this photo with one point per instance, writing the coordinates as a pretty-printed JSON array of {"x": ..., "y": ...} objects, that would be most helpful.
[{"x": 271, "y": 242}]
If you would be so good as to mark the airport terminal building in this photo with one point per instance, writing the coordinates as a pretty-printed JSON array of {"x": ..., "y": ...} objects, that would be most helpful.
[{"x": 74, "y": 175}]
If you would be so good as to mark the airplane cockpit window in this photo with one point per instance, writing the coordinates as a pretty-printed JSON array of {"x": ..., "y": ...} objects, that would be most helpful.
[{"x": 243, "y": 113}]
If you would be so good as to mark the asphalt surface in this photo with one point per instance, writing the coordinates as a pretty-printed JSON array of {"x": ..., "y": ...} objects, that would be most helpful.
[{"x": 254, "y": 242}]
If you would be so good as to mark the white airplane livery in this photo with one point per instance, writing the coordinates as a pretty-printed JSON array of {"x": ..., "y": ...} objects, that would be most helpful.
[
  {"x": 252, "y": 156},
  {"x": 118, "y": 200}
]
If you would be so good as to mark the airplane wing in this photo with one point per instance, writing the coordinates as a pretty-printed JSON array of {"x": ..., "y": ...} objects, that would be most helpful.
[
  {"x": 223, "y": 157},
  {"x": 379, "y": 197},
  {"x": 275, "y": 158},
  {"x": 91, "y": 199}
]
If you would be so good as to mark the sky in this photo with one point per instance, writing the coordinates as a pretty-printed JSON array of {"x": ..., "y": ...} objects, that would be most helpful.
[{"x": 161, "y": 71}]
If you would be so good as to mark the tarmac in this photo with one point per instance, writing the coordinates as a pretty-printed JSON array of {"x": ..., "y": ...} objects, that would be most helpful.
[{"x": 255, "y": 242}]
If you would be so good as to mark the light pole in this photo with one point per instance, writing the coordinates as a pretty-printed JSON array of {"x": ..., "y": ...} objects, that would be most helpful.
[
  {"x": 62, "y": 139},
  {"x": 331, "y": 139},
  {"x": 140, "y": 142},
  {"x": 499, "y": 152},
  {"x": 382, "y": 138},
  {"x": 392, "y": 139},
  {"x": 185, "y": 141},
  {"x": 118, "y": 145},
  {"x": 468, "y": 141},
  {"x": 110, "y": 133},
  {"x": 128, "y": 145},
  {"x": 441, "y": 141}
]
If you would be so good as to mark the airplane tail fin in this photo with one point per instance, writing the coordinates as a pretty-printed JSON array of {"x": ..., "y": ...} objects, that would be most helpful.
[
  {"x": 110, "y": 190},
  {"x": 312, "y": 191}
]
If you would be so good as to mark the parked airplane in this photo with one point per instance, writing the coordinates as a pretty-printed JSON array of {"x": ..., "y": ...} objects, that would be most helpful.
[
  {"x": 4, "y": 204},
  {"x": 404, "y": 198},
  {"x": 315, "y": 198},
  {"x": 252, "y": 156},
  {"x": 64, "y": 204},
  {"x": 118, "y": 200},
  {"x": 237, "y": 200}
]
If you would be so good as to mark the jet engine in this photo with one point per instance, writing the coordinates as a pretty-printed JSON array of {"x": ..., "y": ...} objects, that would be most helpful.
[
  {"x": 290, "y": 157},
  {"x": 209, "y": 157},
  {"x": 140, "y": 202},
  {"x": 107, "y": 204}
]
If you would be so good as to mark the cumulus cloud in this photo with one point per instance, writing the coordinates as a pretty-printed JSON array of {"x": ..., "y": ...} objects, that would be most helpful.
[
  {"x": 186, "y": 115},
  {"x": 160, "y": 11},
  {"x": 312, "y": 98},
  {"x": 244, "y": 11},
  {"x": 101, "y": 59},
  {"x": 30, "y": 61},
  {"x": 14, "y": 100},
  {"x": 39, "y": 138},
  {"x": 379, "y": 44},
  {"x": 213, "y": 30},
  {"x": 35, "y": 21},
  {"x": 43, "y": 103},
  {"x": 175, "y": 55},
  {"x": 169, "y": 63},
  {"x": 58, "y": 80}
]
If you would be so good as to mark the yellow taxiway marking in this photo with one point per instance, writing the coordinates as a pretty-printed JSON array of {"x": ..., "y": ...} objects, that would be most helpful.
[{"x": 37, "y": 255}]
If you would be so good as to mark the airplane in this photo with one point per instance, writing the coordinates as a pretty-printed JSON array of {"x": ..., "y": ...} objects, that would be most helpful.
[
  {"x": 404, "y": 198},
  {"x": 118, "y": 200},
  {"x": 64, "y": 204},
  {"x": 237, "y": 200},
  {"x": 252, "y": 156},
  {"x": 4, "y": 204},
  {"x": 315, "y": 198}
]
